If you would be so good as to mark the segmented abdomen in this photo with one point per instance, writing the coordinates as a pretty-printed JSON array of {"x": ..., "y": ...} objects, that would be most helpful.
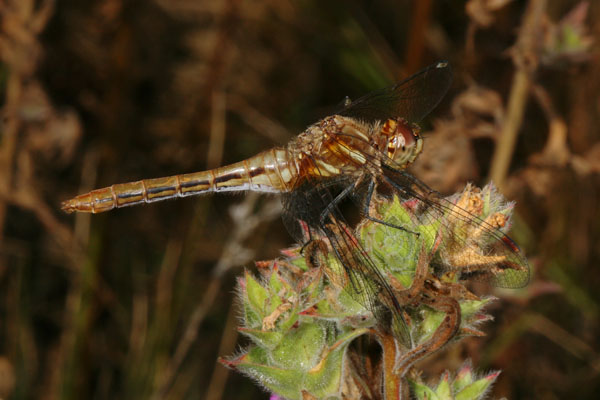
[{"x": 269, "y": 171}]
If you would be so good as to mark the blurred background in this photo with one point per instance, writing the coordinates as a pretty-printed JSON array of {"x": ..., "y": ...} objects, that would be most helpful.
[{"x": 139, "y": 303}]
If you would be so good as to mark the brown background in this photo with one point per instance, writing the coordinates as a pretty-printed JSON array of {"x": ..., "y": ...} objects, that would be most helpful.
[{"x": 137, "y": 303}]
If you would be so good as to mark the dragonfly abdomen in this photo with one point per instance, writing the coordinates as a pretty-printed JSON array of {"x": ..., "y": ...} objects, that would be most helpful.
[{"x": 269, "y": 171}]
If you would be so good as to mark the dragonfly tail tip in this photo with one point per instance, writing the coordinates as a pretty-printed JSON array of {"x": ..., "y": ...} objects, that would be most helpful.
[{"x": 68, "y": 206}]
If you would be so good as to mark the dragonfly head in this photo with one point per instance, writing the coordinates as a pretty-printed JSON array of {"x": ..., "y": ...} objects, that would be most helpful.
[{"x": 402, "y": 141}]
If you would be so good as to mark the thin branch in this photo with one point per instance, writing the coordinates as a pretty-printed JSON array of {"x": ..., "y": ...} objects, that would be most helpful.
[
  {"x": 525, "y": 56},
  {"x": 246, "y": 221}
]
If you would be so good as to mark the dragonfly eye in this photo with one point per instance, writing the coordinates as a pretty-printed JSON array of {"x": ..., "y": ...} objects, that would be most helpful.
[
  {"x": 393, "y": 145},
  {"x": 404, "y": 144}
]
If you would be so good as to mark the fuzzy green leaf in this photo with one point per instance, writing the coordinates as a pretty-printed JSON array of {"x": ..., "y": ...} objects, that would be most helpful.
[
  {"x": 477, "y": 389},
  {"x": 443, "y": 391},
  {"x": 463, "y": 378},
  {"x": 257, "y": 295},
  {"x": 422, "y": 391},
  {"x": 320, "y": 376},
  {"x": 267, "y": 339}
]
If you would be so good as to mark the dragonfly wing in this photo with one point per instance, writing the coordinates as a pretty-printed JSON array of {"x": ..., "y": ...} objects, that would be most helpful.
[
  {"x": 473, "y": 241},
  {"x": 359, "y": 275},
  {"x": 365, "y": 282},
  {"x": 411, "y": 99}
]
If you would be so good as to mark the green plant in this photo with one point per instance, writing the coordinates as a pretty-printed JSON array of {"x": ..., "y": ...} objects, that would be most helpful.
[{"x": 301, "y": 318}]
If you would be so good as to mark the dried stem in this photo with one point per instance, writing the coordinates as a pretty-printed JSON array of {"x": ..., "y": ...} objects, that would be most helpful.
[
  {"x": 416, "y": 41},
  {"x": 525, "y": 59},
  {"x": 393, "y": 385},
  {"x": 246, "y": 221}
]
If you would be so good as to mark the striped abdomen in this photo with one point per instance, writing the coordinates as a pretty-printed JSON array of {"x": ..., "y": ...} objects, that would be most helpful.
[{"x": 269, "y": 171}]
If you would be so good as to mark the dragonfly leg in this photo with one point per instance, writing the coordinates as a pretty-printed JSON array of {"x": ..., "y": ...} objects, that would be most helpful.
[
  {"x": 367, "y": 206},
  {"x": 311, "y": 251},
  {"x": 334, "y": 203},
  {"x": 305, "y": 245},
  {"x": 307, "y": 236}
]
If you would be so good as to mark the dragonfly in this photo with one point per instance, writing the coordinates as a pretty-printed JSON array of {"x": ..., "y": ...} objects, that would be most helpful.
[{"x": 359, "y": 151}]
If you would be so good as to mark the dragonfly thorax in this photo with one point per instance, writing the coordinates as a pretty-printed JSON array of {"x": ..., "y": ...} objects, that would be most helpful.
[{"x": 400, "y": 141}]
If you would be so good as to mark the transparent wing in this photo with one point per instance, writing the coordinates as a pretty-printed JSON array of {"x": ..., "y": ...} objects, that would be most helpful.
[
  {"x": 359, "y": 276},
  {"x": 411, "y": 99},
  {"x": 472, "y": 238},
  {"x": 471, "y": 233}
]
